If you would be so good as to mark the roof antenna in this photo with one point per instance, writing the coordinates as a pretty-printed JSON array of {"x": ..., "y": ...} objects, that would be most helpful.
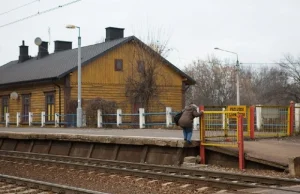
[{"x": 49, "y": 34}]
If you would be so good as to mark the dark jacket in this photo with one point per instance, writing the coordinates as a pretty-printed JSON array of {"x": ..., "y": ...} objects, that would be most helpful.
[{"x": 186, "y": 119}]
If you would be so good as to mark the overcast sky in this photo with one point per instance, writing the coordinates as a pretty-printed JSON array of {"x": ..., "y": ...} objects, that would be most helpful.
[{"x": 259, "y": 30}]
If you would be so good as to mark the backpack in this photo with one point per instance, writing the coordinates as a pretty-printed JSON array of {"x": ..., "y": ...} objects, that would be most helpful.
[{"x": 177, "y": 117}]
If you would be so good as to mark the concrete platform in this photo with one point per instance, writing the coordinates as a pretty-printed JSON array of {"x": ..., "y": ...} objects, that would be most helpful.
[{"x": 268, "y": 152}]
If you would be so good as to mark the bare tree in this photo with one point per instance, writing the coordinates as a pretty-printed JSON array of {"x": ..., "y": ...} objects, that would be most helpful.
[
  {"x": 215, "y": 82},
  {"x": 147, "y": 80},
  {"x": 156, "y": 38}
]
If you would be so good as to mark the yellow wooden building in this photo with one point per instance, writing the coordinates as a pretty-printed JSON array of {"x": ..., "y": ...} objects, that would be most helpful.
[{"x": 48, "y": 82}]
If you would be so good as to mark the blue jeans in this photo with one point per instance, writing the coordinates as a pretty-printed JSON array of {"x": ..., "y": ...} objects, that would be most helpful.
[{"x": 187, "y": 134}]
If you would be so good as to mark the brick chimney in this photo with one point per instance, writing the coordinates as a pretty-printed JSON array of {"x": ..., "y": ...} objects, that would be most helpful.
[
  {"x": 114, "y": 33},
  {"x": 43, "y": 50},
  {"x": 23, "y": 56},
  {"x": 62, "y": 45}
]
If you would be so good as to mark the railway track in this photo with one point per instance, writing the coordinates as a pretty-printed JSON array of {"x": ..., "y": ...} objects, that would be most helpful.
[
  {"x": 12, "y": 184},
  {"x": 220, "y": 180}
]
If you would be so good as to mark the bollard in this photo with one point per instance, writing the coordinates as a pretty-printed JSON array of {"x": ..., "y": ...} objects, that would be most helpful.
[
  {"x": 99, "y": 118},
  {"x": 168, "y": 117},
  {"x": 142, "y": 118},
  {"x": 30, "y": 118},
  {"x": 18, "y": 119},
  {"x": 258, "y": 117},
  {"x": 196, "y": 121},
  {"x": 43, "y": 119},
  {"x": 7, "y": 120},
  {"x": 119, "y": 117},
  {"x": 56, "y": 120}
]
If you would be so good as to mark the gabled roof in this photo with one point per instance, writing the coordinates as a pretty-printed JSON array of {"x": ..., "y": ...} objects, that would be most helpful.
[{"x": 57, "y": 65}]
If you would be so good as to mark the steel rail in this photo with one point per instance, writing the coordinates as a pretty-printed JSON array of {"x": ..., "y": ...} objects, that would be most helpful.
[
  {"x": 46, "y": 186},
  {"x": 208, "y": 178},
  {"x": 170, "y": 169}
]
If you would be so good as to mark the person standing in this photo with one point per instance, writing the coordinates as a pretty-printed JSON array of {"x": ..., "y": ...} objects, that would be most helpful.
[{"x": 186, "y": 121}]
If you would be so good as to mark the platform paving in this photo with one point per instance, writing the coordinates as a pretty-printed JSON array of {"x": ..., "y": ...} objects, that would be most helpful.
[{"x": 276, "y": 151}]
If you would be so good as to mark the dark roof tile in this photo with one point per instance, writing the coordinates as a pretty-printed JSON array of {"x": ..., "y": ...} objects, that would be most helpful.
[{"x": 58, "y": 64}]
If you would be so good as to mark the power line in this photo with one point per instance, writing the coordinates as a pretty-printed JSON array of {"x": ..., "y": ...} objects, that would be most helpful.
[
  {"x": 266, "y": 63},
  {"x": 39, "y": 13},
  {"x": 6, "y": 12}
]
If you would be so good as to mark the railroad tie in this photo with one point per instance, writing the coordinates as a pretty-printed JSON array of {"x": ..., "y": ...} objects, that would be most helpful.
[
  {"x": 166, "y": 184},
  {"x": 202, "y": 189},
  {"x": 153, "y": 181},
  {"x": 185, "y": 186},
  {"x": 222, "y": 191}
]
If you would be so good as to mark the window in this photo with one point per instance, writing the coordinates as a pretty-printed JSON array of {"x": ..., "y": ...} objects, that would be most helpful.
[
  {"x": 118, "y": 64},
  {"x": 50, "y": 104},
  {"x": 25, "y": 107},
  {"x": 141, "y": 66},
  {"x": 5, "y": 105}
]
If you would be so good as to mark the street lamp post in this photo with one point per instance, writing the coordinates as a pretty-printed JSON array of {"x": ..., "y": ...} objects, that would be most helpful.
[
  {"x": 79, "y": 108},
  {"x": 237, "y": 75}
]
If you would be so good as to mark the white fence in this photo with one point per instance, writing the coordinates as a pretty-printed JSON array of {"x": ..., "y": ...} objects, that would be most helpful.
[{"x": 168, "y": 114}]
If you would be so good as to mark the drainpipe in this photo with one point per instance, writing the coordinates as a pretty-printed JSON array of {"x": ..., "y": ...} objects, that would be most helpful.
[{"x": 59, "y": 101}]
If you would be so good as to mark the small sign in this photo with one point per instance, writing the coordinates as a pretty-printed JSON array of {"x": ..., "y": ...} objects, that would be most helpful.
[{"x": 240, "y": 109}]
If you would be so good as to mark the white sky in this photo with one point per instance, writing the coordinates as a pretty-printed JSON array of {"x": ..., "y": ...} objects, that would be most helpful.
[{"x": 259, "y": 30}]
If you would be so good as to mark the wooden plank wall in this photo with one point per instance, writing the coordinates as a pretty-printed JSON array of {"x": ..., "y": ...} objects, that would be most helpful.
[
  {"x": 99, "y": 79},
  {"x": 37, "y": 99}
]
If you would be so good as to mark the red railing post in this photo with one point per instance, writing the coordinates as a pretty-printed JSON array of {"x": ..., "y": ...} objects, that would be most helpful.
[
  {"x": 292, "y": 116},
  {"x": 202, "y": 136},
  {"x": 241, "y": 142},
  {"x": 251, "y": 122}
]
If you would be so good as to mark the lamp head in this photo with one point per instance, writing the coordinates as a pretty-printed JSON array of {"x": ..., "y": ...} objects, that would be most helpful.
[
  {"x": 216, "y": 48},
  {"x": 71, "y": 26}
]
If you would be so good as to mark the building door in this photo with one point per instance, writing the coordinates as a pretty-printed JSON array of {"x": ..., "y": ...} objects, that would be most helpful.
[
  {"x": 50, "y": 104},
  {"x": 25, "y": 107}
]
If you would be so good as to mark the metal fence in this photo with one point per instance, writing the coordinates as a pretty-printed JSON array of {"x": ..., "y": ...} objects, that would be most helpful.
[
  {"x": 271, "y": 121},
  {"x": 222, "y": 129},
  {"x": 219, "y": 128}
]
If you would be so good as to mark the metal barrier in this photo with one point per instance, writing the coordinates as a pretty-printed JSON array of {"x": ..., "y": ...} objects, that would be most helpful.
[
  {"x": 271, "y": 121},
  {"x": 223, "y": 129},
  {"x": 217, "y": 132}
]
